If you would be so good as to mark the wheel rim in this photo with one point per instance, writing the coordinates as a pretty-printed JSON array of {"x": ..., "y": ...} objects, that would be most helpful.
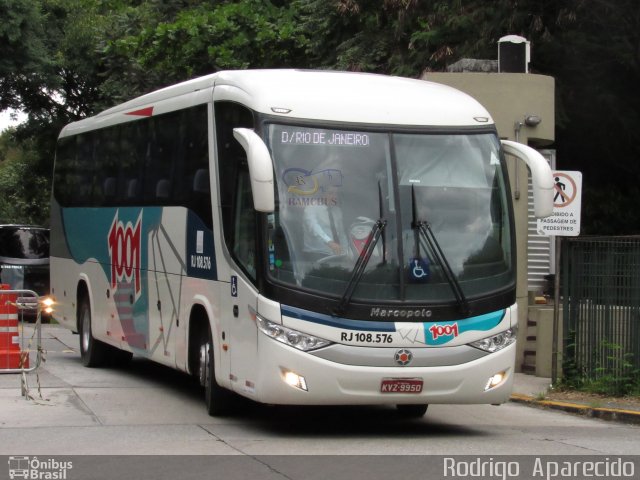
[
  {"x": 204, "y": 363},
  {"x": 86, "y": 330}
]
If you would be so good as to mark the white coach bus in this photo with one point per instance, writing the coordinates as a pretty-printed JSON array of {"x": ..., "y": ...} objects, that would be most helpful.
[{"x": 295, "y": 237}]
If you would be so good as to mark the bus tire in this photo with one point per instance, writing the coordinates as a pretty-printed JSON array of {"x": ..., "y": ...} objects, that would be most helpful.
[
  {"x": 119, "y": 358},
  {"x": 412, "y": 411},
  {"x": 92, "y": 352},
  {"x": 218, "y": 400}
]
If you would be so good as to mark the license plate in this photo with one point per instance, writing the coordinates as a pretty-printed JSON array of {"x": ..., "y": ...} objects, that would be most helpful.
[{"x": 401, "y": 385}]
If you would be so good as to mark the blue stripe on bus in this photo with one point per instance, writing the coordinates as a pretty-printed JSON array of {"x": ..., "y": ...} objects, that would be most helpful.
[
  {"x": 444, "y": 335},
  {"x": 331, "y": 321},
  {"x": 483, "y": 322}
]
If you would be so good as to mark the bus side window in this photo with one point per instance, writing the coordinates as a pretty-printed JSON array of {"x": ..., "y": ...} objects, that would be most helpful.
[
  {"x": 200, "y": 197},
  {"x": 160, "y": 159},
  {"x": 196, "y": 192}
]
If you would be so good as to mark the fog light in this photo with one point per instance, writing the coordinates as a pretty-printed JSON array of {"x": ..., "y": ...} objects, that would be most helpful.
[
  {"x": 495, "y": 380},
  {"x": 295, "y": 380}
]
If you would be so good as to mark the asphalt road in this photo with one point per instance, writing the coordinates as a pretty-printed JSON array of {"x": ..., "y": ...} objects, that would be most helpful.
[{"x": 147, "y": 409}]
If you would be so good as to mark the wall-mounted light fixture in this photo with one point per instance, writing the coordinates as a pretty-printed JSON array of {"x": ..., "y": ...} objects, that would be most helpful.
[{"x": 532, "y": 120}]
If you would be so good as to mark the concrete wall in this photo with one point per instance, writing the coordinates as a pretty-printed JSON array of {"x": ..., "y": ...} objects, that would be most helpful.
[
  {"x": 509, "y": 97},
  {"x": 542, "y": 315}
]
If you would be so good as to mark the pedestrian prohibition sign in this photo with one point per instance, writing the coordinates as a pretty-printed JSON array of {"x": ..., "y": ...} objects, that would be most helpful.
[{"x": 567, "y": 200}]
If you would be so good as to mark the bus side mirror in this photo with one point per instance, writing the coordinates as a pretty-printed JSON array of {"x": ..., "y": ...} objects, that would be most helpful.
[
  {"x": 260, "y": 169},
  {"x": 541, "y": 176}
]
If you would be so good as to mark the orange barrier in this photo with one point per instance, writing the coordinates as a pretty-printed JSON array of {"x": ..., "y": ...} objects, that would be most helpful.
[{"x": 10, "y": 355}]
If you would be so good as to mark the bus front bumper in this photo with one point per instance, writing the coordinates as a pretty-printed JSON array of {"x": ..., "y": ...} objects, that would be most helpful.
[{"x": 323, "y": 382}]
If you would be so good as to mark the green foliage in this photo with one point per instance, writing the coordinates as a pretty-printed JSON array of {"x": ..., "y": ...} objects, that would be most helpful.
[
  {"x": 617, "y": 375},
  {"x": 572, "y": 374},
  {"x": 24, "y": 196},
  {"x": 62, "y": 60},
  {"x": 407, "y": 37},
  {"x": 24, "y": 65},
  {"x": 199, "y": 40}
]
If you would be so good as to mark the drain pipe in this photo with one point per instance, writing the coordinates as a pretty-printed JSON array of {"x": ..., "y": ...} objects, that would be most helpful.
[
  {"x": 529, "y": 121},
  {"x": 516, "y": 193}
]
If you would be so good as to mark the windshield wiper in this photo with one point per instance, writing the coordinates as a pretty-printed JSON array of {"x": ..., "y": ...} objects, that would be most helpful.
[
  {"x": 363, "y": 259},
  {"x": 361, "y": 265},
  {"x": 424, "y": 230}
]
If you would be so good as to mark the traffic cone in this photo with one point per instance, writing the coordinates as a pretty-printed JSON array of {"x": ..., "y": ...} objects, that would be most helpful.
[{"x": 10, "y": 355}]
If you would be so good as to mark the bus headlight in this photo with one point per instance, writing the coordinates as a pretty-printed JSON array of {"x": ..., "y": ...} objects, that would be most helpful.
[
  {"x": 288, "y": 336},
  {"x": 47, "y": 304},
  {"x": 496, "y": 342}
]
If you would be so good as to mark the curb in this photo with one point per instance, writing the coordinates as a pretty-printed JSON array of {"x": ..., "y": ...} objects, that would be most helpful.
[{"x": 611, "y": 414}]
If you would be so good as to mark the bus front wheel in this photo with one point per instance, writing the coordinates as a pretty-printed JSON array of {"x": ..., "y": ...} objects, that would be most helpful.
[
  {"x": 412, "y": 411},
  {"x": 217, "y": 399}
]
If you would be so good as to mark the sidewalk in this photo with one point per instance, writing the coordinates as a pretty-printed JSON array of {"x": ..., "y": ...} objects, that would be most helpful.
[{"x": 532, "y": 390}]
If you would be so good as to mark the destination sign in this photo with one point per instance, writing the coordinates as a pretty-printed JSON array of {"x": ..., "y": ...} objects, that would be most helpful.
[{"x": 324, "y": 137}]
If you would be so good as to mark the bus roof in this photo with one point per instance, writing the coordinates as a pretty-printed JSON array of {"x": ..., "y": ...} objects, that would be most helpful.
[{"x": 311, "y": 94}]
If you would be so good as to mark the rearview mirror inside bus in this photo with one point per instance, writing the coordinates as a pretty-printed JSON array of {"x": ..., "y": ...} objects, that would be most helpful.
[
  {"x": 260, "y": 169},
  {"x": 541, "y": 176}
]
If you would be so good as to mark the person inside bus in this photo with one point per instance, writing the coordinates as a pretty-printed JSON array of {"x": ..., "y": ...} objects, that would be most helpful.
[{"x": 323, "y": 228}]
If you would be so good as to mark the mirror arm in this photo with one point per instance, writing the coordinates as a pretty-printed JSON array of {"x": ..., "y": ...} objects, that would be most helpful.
[
  {"x": 541, "y": 176},
  {"x": 260, "y": 169}
]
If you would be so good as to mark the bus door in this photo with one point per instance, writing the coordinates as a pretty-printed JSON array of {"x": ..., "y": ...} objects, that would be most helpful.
[
  {"x": 240, "y": 301},
  {"x": 240, "y": 334}
]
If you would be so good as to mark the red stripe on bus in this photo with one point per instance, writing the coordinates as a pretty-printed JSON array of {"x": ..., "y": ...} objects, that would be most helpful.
[{"x": 144, "y": 112}]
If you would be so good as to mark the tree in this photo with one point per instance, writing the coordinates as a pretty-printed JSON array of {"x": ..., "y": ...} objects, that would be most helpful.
[
  {"x": 197, "y": 40},
  {"x": 24, "y": 196},
  {"x": 597, "y": 68},
  {"x": 62, "y": 60},
  {"x": 592, "y": 48},
  {"x": 48, "y": 69},
  {"x": 24, "y": 65},
  {"x": 406, "y": 37}
]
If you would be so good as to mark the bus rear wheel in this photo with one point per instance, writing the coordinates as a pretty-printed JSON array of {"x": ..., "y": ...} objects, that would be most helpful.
[
  {"x": 218, "y": 400},
  {"x": 92, "y": 352},
  {"x": 412, "y": 411}
]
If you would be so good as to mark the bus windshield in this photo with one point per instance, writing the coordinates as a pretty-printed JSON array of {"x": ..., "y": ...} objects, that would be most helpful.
[{"x": 334, "y": 186}]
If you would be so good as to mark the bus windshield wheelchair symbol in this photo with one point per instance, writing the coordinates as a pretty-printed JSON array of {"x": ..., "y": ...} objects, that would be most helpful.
[
  {"x": 234, "y": 286},
  {"x": 419, "y": 269}
]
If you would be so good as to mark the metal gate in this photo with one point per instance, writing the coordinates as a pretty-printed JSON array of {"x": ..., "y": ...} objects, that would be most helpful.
[{"x": 601, "y": 305}]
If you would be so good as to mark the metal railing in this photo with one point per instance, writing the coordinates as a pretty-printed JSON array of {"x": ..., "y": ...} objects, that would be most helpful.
[
  {"x": 28, "y": 304},
  {"x": 601, "y": 304}
]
